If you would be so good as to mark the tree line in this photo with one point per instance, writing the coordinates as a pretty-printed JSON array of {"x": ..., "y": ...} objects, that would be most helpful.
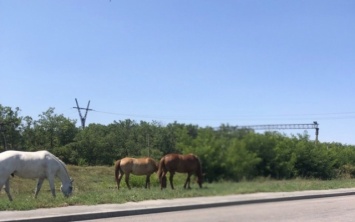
[{"x": 226, "y": 153}]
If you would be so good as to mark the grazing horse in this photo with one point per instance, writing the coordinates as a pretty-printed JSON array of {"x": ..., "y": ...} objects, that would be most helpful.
[
  {"x": 142, "y": 166},
  {"x": 172, "y": 163},
  {"x": 34, "y": 165}
]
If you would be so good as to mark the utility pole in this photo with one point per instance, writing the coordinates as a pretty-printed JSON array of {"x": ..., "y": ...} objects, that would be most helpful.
[
  {"x": 4, "y": 126},
  {"x": 147, "y": 138},
  {"x": 82, "y": 119},
  {"x": 2, "y": 130}
]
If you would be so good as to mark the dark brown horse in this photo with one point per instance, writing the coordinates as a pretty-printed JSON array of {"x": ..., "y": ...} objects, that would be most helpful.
[
  {"x": 142, "y": 166},
  {"x": 172, "y": 163}
]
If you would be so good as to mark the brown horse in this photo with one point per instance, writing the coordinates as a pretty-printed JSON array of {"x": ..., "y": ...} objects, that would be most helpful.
[
  {"x": 142, "y": 166},
  {"x": 172, "y": 163}
]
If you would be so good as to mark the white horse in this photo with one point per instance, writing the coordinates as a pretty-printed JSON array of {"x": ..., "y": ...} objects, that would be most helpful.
[{"x": 33, "y": 165}]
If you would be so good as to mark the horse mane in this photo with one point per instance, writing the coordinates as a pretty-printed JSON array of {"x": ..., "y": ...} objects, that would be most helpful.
[{"x": 61, "y": 163}]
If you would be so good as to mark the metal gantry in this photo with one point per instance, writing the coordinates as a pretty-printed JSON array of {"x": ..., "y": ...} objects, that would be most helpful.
[{"x": 313, "y": 125}]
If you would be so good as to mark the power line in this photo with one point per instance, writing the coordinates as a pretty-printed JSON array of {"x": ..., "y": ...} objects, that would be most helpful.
[{"x": 321, "y": 116}]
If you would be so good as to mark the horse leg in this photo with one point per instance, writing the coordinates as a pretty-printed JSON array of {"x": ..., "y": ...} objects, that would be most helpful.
[
  {"x": 119, "y": 180},
  {"x": 187, "y": 183},
  {"x": 51, "y": 185},
  {"x": 163, "y": 180},
  {"x": 171, "y": 179},
  {"x": 7, "y": 189},
  {"x": 39, "y": 185},
  {"x": 127, "y": 180},
  {"x": 147, "y": 182}
]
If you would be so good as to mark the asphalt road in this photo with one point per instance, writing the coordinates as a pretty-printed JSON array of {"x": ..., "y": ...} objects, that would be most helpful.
[
  {"x": 312, "y": 205},
  {"x": 323, "y": 209}
]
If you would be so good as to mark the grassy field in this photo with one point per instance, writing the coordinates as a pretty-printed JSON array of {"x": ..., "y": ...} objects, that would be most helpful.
[{"x": 96, "y": 185}]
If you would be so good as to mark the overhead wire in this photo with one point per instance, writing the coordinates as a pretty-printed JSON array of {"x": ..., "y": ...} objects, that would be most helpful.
[{"x": 311, "y": 116}]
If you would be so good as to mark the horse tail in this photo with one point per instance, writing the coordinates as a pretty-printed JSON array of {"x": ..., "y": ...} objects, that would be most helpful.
[
  {"x": 161, "y": 165},
  {"x": 161, "y": 169},
  {"x": 117, "y": 169}
]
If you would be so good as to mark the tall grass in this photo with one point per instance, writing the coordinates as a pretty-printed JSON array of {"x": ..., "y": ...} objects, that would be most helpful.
[{"x": 96, "y": 185}]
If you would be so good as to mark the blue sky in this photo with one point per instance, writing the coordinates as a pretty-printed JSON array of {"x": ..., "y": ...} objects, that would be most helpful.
[{"x": 240, "y": 62}]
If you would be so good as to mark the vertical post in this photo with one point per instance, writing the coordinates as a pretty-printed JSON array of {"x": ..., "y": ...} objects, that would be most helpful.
[
  {"x": 148, "y": 144},
  {"x": 4, "y": 140},
  {"x": 317, "y": 130},
  {"x": 2, "y": 130},
  {"x": 86, "y": 113}
]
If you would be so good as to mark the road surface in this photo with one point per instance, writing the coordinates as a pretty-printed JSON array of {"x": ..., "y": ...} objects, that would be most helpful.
[{"x": 320, "y": 209}]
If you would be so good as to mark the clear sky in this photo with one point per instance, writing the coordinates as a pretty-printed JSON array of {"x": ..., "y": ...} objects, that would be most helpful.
[{"x": 202, "y": 62}]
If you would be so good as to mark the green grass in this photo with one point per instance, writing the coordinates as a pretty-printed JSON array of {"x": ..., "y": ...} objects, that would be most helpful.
[{"x": 96, "y": 185}]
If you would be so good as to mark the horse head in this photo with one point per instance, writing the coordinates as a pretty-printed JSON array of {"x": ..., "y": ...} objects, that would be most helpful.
[
  {"x": 198, "y": 172},
  {"x": 156, "y": 166},
  {"x": 67, "y": 188}
]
